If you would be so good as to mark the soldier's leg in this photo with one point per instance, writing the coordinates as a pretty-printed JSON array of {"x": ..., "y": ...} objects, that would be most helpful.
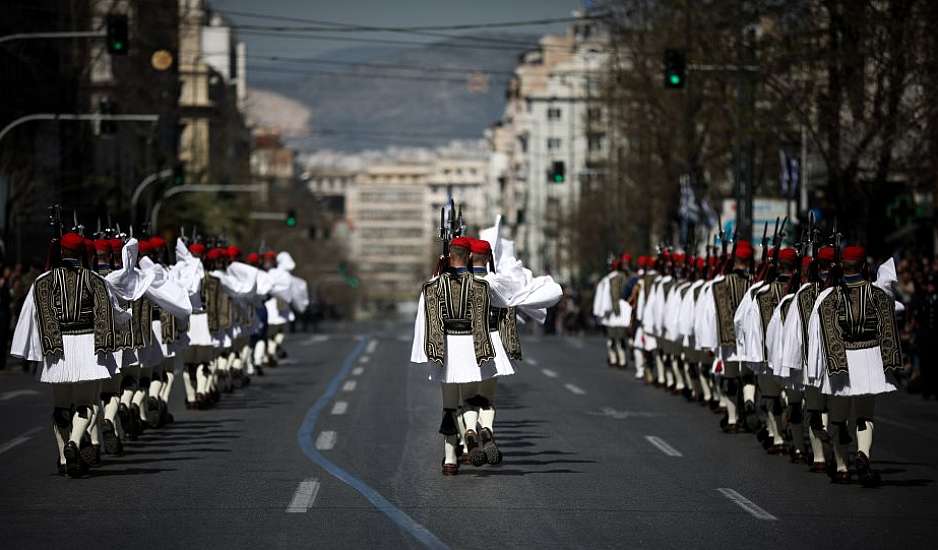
[
  {"x": 111, "y": 429},
  {"x": 659, "y": 368},
  {"x": 448, "y": 428},
  {"x": 470, "y": 415},
  {"x": 137, "y": 406},
  {"x": 61, "y": 420},
  {"x": 817, "y": 426},
  {"x": 487, "y": 390},
  {"x": 796, "y": 423},
  {"x": 704, "y": 382},
  {"x": 839, "y": 412},
  {"x": 638, "y": 356},
  {"x": 864, "y": 409},
  {"x": 677, "y": 366},
  {"x": 771, "y": 392},
  {"x": 610, "y": 348},
  {"x": 83, "y": 396}
]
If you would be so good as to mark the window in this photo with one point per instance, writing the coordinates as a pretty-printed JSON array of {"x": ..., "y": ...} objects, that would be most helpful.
[
  {"x": 553, "y": 144},
  {"x": 597, "y": 142},
  {"x": 554, "y": 113},
  {"x": 594, "y": 114}
]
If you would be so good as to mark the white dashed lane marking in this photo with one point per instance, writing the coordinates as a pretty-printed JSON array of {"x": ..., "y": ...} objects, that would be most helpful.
[
  {"x": 349, "y": 386},
  {"x": 364, "y": 359},
  {"x": 6, "y": 396},
  {"x": 663, "y": 445},
  {"x": 531, "y": 361},
  {"x": 326, "y": 440},
  {"x": 749, "y": 506},
  {"x": 304, "y": 497},
  {"x": 574, "y": 389},
  {"x": 357, "y": 371},
  {"x": 18, "y": 440},
  {"x": 315, "y": 339},
  {"x": 371, "y": 346},
  {"x": 340, "y": 407},
  {"x": 549, "y": 373}
]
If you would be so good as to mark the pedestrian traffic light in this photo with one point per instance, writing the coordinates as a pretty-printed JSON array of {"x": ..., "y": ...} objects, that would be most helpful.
[
  {"x": 179, "y": 174},
  {"x": 675, "y": 68},
  {"x": 557, "y": 172},
  {"x": 291, "y": 218},
  {"x": 116, "y": 36},
  {"x": 106, "y": 107}
]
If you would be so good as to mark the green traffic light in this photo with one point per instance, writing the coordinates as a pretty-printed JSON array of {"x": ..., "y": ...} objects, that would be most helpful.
[
  {"x": 558, "y": 178},
  {"x": 117, "y": 46},
  {"x": 674, "y": 79},
  {"x": 291, "y": 222}
]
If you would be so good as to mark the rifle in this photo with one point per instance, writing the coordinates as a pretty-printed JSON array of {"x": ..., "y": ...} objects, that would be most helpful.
[
  {"x": 728, "y": 266},
  {"x": 772, "y": 270},
  {"x": 448, "y": 230},
  {"x": 706, "y": 269},
  {"x": 54, "y": 256},
  {"x": 836, "y": 275},
  {"x": 763, "y": 263}
]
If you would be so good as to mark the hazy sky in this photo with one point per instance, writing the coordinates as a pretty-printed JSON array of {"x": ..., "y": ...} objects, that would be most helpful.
[{"x": 387, "y": 13}]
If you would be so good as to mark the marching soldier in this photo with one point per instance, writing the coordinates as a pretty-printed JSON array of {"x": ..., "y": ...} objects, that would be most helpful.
[
  {"x": 614, "y": 313},
  {"x": 718, "y": 327},
  {"x": 853, "y": 353}
]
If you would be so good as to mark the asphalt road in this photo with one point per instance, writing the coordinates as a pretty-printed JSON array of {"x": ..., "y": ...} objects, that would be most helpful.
[{"x": 338, "y": 448}]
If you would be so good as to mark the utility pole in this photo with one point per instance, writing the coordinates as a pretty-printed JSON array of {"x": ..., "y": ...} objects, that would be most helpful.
[{"x": 744, "y": 146}]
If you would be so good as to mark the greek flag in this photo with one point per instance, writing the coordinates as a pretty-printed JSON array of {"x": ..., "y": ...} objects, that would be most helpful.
[
  {"x": 789, "y": 173},
  {"x": 689, "y": 209}
]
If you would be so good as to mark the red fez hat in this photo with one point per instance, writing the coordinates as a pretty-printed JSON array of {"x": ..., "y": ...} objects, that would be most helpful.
[
  {"x": 713, "y": 260},
  {"x": 270, "y": 254},
  {"x": 641, "y": 261},
  {"x": 743, "y": 250},
  {"x": 788, "y": 256},
  {"x": 116, "y": 245},
  {"x": 806, "y": 262},
  {"x": 480, "y": 246},
  {"x": 215, "y": 253},
  {"x": 627, "y": 259},
  {"x": 462, "y": 242},
  {"x": 254, "y": 258},
  {"x": 233, "y": 252},
  {"x": 678, "y": 257},
  {"x": 854, "y": 254},
  {"x": 73, "y": 242},
  {"x": 197, "y": 249},
  {"x": 666, "y": 255},
  {"x": 145, "y": 247},
  {"x": 701, "y": 262},
  {"x": 826, "y": 254},
  {"x": 102, "y": 245},
  {"x": 157, "y": 242}
]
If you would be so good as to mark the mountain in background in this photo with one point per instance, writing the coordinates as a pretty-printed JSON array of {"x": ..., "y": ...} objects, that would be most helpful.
[{"x": 354, "y": 108}]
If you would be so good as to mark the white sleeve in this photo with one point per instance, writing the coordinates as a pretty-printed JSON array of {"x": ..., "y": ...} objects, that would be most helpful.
[
  {"x": 792, "y": 355},
  {"x": 773, "y": 339},
  {"x": 816, "y": 353},
  {"x": 418, "y": 352},
  {"x": 129, "y": 283},
  {"x": 705, "y": 326},
  {"x": 165, "y": 292},
  {"x": 26, "y": 342}
]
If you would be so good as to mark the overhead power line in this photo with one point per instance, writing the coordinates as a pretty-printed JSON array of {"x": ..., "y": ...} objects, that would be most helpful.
[
  {"x": 365, "y": 75},
  {"x": 349, "y": 27},
  {"x": 442, "y": 45}
]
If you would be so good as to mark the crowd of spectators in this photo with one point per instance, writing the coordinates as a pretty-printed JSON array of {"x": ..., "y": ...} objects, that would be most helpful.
[
  {"x": 917, "y": 289},
  {"x": 15, "y": 281}
]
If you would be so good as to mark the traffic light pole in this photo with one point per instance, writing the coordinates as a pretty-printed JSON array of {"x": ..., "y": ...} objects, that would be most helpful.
[
  {"x": 141, "y": 187},
  {"x": 38, "y": 35},
  {"x": 69, "y": 116},
  {"x": 198, "y": 188}
]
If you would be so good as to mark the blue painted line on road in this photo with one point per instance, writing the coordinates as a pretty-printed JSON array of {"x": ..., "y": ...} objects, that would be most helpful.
[{"x": 305, "y": 439}]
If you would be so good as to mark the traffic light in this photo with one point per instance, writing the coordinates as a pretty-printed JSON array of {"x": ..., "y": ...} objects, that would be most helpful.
[
  {"x": 291, "y": 218},
  {"x": 117, "y": 43},
  {"x": 675, "y": 68},
  {"x": 106, "y": 107},
  {"x": 557, "y": 172},
  {"x": 179, "y": 174}
]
